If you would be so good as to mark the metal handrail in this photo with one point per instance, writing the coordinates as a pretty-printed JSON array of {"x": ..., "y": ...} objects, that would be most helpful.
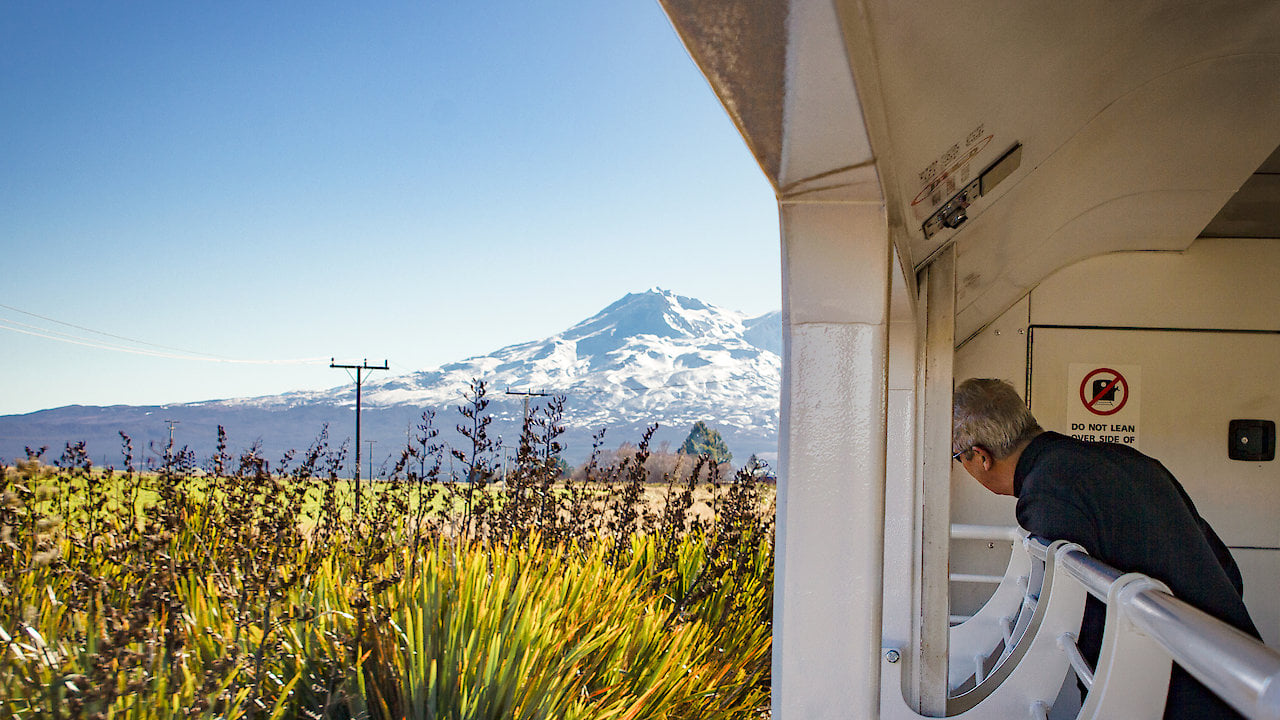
[
  {"x": 960, "y": 531},
  {"x": 1235, "y": 666},
  {"x": 1096, "y": 576},
  {"x": 1238, "y": 668}
]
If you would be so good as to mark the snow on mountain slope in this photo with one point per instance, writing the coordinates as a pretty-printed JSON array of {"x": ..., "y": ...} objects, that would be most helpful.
[{"x": 649, "y": 355}]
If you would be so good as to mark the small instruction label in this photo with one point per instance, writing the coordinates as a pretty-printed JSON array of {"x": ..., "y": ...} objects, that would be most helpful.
[{"x": 942, "y": 177}]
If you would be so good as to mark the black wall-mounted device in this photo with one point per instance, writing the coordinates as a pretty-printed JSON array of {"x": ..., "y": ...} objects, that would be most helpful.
[{"x": 1251, "y": 440}]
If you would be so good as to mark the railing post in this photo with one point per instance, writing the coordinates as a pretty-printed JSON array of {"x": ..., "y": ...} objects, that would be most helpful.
[{"x": 1131, "y": 680}]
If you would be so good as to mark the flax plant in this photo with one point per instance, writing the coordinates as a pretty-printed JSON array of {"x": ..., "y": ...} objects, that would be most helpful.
[
  {"x": 540, "y": 632},
  {"x": 247, "y": 590}
]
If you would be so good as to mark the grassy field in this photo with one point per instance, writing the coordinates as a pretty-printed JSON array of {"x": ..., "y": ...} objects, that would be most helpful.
[{"x": 242, "y": 592}]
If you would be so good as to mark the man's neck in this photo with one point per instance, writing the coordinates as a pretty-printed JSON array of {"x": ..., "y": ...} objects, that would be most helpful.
[
  {"x": 1004, "y": 469},
  {"x": 1007, "y": 467}
]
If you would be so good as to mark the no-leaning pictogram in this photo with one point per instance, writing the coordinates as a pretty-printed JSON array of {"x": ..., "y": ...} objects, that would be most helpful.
[
  {"x": 1104, "y": 391},
  {"x": 1104, "y": 402}
]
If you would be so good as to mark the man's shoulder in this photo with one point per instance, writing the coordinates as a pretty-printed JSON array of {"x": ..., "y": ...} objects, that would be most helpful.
[
  {"x": 1055, "y": 447},
  {"x": 1050, "y": 449},
  {"x": 1061, "y": 464}
]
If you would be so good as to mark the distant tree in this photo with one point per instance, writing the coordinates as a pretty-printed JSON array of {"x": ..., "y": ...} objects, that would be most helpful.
[
  {"x": 703, "y": 440},
  {"x": 562, "y": 468}
]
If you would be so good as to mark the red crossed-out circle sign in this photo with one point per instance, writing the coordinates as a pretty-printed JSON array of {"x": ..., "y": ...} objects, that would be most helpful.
[{"x": 1095, "y": 398}]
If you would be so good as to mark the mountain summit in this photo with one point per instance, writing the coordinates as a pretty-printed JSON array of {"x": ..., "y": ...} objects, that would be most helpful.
[{"x": 650, "y": 357}]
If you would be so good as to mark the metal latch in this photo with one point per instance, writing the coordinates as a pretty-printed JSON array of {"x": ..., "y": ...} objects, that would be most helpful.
[{"x": 955, "y": 212}]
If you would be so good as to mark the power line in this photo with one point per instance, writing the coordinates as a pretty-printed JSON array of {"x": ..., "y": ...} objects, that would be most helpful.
[
  {"x": 100, "y": 332},
  {"x": 62, "y": 337},
  {"x": 50, "y": 334}
]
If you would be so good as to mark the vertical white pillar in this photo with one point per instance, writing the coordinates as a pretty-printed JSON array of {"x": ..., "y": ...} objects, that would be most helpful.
[
  {"x": 902, "y": 509},
  {"x": 830, "y": 543},
  {"x": 931, "y": 602}
]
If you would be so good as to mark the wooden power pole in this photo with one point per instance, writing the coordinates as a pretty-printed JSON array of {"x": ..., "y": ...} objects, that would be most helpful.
[{"x": 359, "y": 381}]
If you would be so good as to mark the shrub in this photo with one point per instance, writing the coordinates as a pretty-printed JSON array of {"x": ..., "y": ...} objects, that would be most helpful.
[{"x": 242, "y": 591}]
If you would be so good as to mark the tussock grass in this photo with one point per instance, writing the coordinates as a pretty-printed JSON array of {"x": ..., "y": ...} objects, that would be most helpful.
[{"x": 242, "y": 590}]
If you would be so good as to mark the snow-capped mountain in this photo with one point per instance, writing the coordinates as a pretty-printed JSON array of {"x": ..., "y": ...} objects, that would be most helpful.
[{"x": 650, "y": 357}]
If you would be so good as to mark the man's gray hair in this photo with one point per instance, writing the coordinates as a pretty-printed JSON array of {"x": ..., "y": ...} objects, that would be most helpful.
[{"x": 989, "y": 413}]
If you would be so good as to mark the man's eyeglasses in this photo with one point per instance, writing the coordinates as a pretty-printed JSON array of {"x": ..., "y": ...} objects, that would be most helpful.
[{"x": 957, "y": 455}]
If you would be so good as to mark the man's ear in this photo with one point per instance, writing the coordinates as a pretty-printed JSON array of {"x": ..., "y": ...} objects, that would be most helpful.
[{"x": 985, "y": 456}]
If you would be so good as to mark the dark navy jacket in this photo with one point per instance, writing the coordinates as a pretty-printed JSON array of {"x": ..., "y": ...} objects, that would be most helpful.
[{"x": 1128, "y": 511}]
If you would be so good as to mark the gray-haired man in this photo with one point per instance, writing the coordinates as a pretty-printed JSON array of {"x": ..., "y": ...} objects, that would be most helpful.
[{"x": 1121, "y": 506}]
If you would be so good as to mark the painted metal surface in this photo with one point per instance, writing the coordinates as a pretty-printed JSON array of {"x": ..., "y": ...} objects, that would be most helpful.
[
  {"x": 942, "y": 89},
  {"x": 862, "y": 134},
  {"x": 973, "y": 641},
  {"x": 1192, "y": 384},
  {"x": 1030, "y": 672},
  {"x": 1132, "y": 676},
  {"x": 1146, "y": 630},
  {"x": 830, "y": 515},
  {"x": 930, "y": 600},
  {"x": 830, "y": 543},
  {"x": 901, "y": 531},
  {"x": 1196, "y": 381}
]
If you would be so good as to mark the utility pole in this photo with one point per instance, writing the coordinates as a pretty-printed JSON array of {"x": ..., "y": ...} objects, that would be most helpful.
[
  {"x": 168, "y": 451},
  {"x": 527, "y": 394},
  {"x": 359, "y": 381}
]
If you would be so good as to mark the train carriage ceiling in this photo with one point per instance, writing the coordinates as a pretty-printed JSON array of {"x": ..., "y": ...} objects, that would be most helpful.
[
  {"x": 1254, "y": 210},
  {"x": 1135, "y": 123}
]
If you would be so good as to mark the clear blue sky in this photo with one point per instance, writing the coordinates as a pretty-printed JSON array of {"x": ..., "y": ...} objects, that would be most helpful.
[{"x": 411, "y": 181}]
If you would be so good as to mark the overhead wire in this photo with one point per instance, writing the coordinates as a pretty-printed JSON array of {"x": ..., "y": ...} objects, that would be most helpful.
[
  {"x": 177, "y": 354},
  {"x": 100, "y": 332}
]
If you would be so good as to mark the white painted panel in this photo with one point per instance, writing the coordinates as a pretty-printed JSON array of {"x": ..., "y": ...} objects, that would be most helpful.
[
  {"x": 831, "y": 491},
  {"x": 1217, "y": 284},
  {"x": 1192, "y": 385},
  {"x": 931, "y": 603},
  {"x": 831, "y": 272},
  {"x": 1261, "y": 570},
  {"x": 822, "y": 115}
]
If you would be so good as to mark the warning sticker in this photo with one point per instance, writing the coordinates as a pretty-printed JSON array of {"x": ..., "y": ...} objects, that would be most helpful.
[
  {"x": 948, "y": 172},
  {"x": 1103, "y": 402}
]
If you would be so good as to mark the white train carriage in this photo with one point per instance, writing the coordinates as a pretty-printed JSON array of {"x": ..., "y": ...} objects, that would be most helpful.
[{"x": 1058, "y": 194}]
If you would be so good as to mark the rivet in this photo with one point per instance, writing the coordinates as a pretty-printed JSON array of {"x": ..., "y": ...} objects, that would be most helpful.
[{"x": 892, "y": 656}]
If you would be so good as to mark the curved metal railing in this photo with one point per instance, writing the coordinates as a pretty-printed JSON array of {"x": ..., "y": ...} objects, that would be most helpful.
[
  {"x": 1235, "y": 666},
  {"x": 1015, "y": 652}
]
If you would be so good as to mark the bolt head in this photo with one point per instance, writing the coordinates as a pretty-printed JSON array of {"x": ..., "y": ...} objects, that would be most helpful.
[
  {"x": 954, "y": 217},
  {"x": 892, "y": 656}
]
